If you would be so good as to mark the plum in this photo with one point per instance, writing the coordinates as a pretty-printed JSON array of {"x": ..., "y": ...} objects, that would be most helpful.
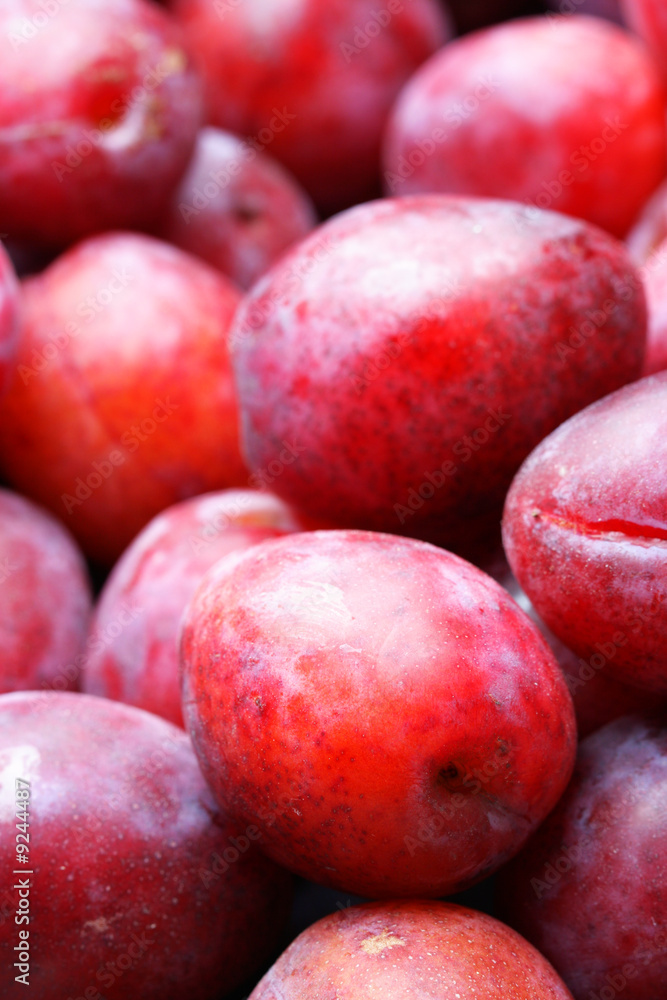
[
  {"x": 650, "y": 229},
  {"x": 132, "y": 649},
  {"x": 99, "y": 112},
  {"x": 314, "y": 80},
  {"x": 557, "y": 113},
  {"x": 590, "y": 887},
  {"x": 412, "y": 352},
  {"x": 45, "y": 599},
  {"x": 136, "y": 885},
  {"x": 123, "y": 400},
  {"x": 9, "y": 306},
  {"x": 422, "y": 949},
  {"x": 380, "y": 708},
  {"x": 585, "y": 531},
  {"x": 236, "y": 208},
  {"x": 655, "y": 284}
]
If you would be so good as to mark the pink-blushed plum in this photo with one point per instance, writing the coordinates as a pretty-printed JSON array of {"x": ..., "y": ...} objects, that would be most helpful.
[
  {"x": 143, "y": 600},
  {"x": 9, "y": 308},
  {"x": 136, "y": 885},
  {"x": 557, "y": 113},
  {"x": 585, "y": 532},
  {"x": 312, "y": 81},
  {"x": 45, "y": 599},
  {"x": 598, "y": 697},
  {"x": 396, "y": 950},
  {"x": 236, "y": 208},
  {"x": 99, "y": 111},
  {"x": 415, "y": 350},
  {"x": 590, "y": 887},
  {"x": 380, "y": 708},
  {"x": 122, "y": 402},
  {"x": 649, "y": 20},
  {"x": 650, "y": 230}
]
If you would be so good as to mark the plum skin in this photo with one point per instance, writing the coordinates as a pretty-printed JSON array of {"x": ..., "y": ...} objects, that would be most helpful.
[
  {"x": 99, "y": 112},
  {"x": 45, "y": 598},
  {"x": 414, "y": 388},
  {"x": 280, "y": 72},
  {"x": 126, "y": 848},
  {"x": 423, "y": 949},
  {"x": 157, "y": 575},
  {"x": 467, "y": 123},
  {"x": 122, "y": 401},
  {"x": 236, "y": 208},
  {"x": 372, "y": 764},
  {"x": 590, "y": 887},
  {"x": 585, "y": 532},
  {"x": 9, "y": 316}
]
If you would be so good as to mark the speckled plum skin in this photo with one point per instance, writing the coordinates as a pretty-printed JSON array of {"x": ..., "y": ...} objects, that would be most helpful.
[
  {"x": 309, "y": 83},
  {"x": 99, "y": 112},
  {"x": 151, "y": 585},
  {"x": 557, "y": 113},
  {"x": 385, "y": 713},
  {"x": 122, "y": 402},
  {"x": 585, "y": 532},
  {"x": 236, "y": 208},
  {"x": 45, "y": 599},
  {"x": 590, "y": 888},
  {"x": 131, "y": 896},
  {"x": 430, "y": 950},
  {"x": 413, "y": 351},
  {"x": 9, "y": 307}
]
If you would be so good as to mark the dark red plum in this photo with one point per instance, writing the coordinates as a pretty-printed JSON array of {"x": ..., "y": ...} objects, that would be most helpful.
[
  {"x": 585, "y": 531},
  {"x": 136, "y": 886},
  {"x": 590, "y": 887},
  {"x": 413, "y": 351},
  {"x": 381, "y": 709}
]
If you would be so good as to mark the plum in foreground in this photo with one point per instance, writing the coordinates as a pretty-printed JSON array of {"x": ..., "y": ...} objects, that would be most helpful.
[
  {"x": 381, "y": 709},
  {"x": 413, "y": 351},
  {"x": 585, "y": 532},
  {"x": 45, "y": 599},
  {"x": 139, "y": 888},
  {"x": 133, "y": 641},
  {"x": 590, "y": 888},
  {"x": 122, "y": 402},
  {"x": 401, "y": 950}
]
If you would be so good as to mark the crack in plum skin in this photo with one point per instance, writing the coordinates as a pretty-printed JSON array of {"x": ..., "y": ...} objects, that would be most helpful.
[{"x": 613, "y": 528}]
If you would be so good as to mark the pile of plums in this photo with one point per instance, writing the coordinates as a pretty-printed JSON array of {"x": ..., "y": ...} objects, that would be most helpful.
[{"x": 333, "y": 499}]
